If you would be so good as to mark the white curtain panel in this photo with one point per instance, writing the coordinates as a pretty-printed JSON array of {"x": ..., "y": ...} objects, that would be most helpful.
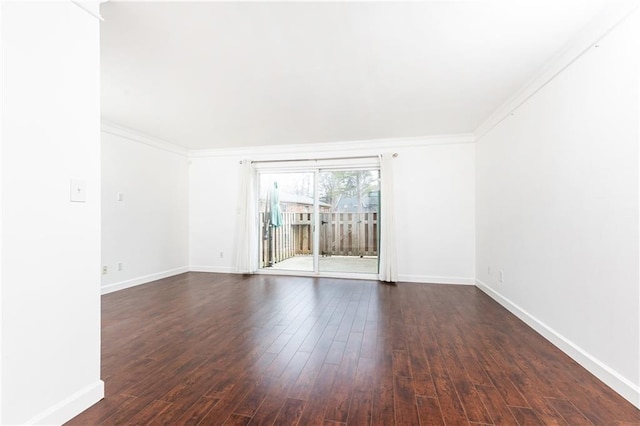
[
  {"x": 388, "y": 263},
  {"x": 246, "y": 242}
]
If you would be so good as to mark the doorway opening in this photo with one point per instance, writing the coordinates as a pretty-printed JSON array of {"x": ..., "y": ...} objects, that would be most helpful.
[{"x": 319, "y": 221}]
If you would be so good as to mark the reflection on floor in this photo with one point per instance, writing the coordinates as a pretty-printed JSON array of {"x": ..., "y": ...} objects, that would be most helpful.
[{"x": 353, "y": 264}]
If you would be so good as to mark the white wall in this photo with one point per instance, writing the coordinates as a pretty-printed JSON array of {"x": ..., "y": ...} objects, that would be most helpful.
[
  {"x": 557, "y": 211},
  {"x": 146, "y": 232},
  {"x": 434, "y": 205},
  {"x": 435, "y": 209},
  {"x": 214, "y": 185},
  {"x": 50, "y": 305}
]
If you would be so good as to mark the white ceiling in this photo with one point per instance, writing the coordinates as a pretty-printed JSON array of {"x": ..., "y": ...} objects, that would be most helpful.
[{"x": 228, "y": 74}]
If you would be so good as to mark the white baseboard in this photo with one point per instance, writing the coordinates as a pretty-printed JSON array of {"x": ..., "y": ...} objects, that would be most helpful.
[
  {"x": 425, "y": 279},
  {"x": 70, "y": 407},
  {"x": 610, "y": 377},
  {"x": 110, "y": 288},
  {"x": 216, "y": 269}
]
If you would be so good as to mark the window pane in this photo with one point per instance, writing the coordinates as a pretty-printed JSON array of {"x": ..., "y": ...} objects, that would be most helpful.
[
  {"x": 286, "y": 221},
  {"x": 349, "y": 210}
]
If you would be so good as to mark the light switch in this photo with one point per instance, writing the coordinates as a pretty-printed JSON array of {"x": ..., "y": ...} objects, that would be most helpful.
[
  {"x": 78, "y": 191},
  {"x": 120, "y": 196}
]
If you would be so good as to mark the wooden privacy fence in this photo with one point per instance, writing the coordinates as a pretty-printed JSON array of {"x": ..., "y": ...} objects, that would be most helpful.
[
  {"x": 341, "y": 234},
  {"x": 349, "y": 234}
]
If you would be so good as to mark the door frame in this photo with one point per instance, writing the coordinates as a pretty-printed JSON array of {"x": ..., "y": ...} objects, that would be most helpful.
[{"x": 314, "y": 167}]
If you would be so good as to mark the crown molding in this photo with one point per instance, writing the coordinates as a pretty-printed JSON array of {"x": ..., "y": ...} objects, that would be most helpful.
[
  {"x": 133, "y": 135},
  {"x": 585, "y": 40},
  {"x": 331, "y": 148},
  {"x": 92, "y": 7}
]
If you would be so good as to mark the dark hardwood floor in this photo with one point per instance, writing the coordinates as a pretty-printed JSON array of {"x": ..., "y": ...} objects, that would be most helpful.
[{"x": 212, "y": 349}]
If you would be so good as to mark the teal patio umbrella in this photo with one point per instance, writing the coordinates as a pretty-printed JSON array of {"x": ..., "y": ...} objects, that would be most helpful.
[
  {"x": 273, "y": 217},
  {"x": 274, "y": 207}
]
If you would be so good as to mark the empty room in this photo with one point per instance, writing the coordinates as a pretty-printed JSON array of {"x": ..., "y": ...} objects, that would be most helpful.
[{"x": 320, "y": 213}]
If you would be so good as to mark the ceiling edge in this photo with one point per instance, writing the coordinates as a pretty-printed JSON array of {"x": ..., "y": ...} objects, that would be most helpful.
[
  {"x": 584, "y": 40},
  {"x": 136, "y": 136},
  {"x": 331, "y": 148}
]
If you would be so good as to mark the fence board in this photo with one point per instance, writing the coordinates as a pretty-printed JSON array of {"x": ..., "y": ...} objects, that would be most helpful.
[{"x": 341, "y": 234}]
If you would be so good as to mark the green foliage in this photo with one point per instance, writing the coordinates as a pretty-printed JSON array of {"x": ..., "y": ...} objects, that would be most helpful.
[{"x": 353, "y": 183}]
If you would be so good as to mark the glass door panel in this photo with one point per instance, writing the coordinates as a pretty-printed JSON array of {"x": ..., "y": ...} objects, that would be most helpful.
[
  {"x": 286, "y": 217},
  {"x": 349, "y": 206}
]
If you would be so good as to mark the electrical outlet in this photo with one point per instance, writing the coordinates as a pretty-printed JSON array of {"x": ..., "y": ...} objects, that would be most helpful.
[
  {"x": 105, "y": 270},
  {"x": 120, "y": 266},
  {"x": 501, "y": 276},
  {"x": 221, "y": 254}
]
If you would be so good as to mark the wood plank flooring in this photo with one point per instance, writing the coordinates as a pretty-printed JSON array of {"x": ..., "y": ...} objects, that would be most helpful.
[{"x": 213, "y": 349}]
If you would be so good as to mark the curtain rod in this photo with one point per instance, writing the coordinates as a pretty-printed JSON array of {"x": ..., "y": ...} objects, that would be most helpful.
[{"x": 395, "y": 154}]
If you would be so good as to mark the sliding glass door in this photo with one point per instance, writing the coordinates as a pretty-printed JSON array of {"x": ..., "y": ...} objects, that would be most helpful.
[
  {"x": 319, "y": 220},
  {"x": 287, "y": 220},
  {"x": 349, "y": 210}
]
